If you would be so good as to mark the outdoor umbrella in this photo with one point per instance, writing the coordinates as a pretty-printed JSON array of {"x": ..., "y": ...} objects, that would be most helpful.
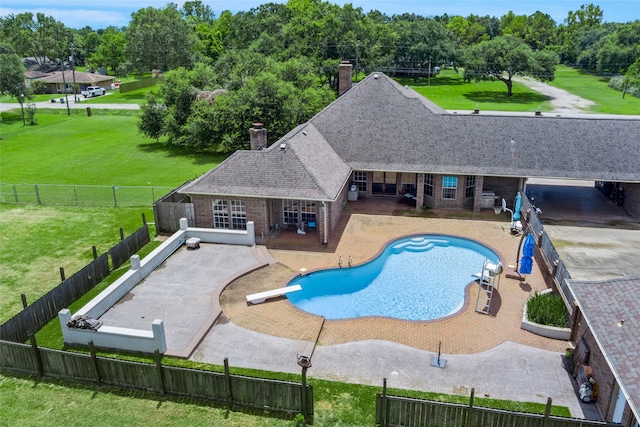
[
  {"x": 517, "y": 207},
  {"x": 526, "y": 263}
]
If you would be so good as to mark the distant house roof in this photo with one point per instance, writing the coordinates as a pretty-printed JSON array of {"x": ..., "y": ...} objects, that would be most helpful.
[
  {"x": 300, "y": 166},
  {"x": 603, "y": 306},
  {"x": 80, "y": 77},
  {"x": 379, "y": 125}
]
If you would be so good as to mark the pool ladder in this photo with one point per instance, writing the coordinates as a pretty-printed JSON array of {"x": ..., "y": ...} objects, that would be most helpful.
[{"x": 350, "y": 261}]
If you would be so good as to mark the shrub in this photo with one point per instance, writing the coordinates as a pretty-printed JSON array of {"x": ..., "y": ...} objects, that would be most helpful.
[
  {"x": 547, "y": 309},
  {"x": 617, "y": 83}
]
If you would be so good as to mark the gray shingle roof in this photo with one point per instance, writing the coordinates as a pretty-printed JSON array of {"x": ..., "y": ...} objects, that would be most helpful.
[
  {"x": 307, "y": 169},
  {"x": 603, "y": 305},
  {"x": 380, "y": 125}
]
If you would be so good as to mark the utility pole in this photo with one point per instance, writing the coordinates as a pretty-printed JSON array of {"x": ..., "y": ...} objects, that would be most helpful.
[
  {"x": 64, "y": 86},
  {"x": 429, "y": 78},
  {"x": 73, "y": 68}
]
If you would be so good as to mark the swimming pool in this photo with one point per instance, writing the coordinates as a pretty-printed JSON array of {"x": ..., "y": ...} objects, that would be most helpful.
[{"x": 414, "y": 278}]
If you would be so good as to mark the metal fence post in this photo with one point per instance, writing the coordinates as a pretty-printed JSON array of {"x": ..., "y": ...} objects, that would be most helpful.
[
  {"x": 547, "y": 412},
  {"x": 115, "y": 200},
  {"x": 36, "y": 353},
  {"x": 384, "y": 404},
  {"x": 470, "y": 410},
  {"x": 37, "y": 194},
  {"x": 15, "y": 193}
]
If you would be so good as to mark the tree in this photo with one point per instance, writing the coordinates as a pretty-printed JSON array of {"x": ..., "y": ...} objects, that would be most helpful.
[
  {"x": 39, "y": 38},
  {"x": 11, "y": 72},
  {"x": 507, "y": 56},
  {"x": 158, "y": 39},
  {"x": 631, "y": 78},
  {"x": 151, "y": 122},
  {"x": 540, "y": 31},
  {"x": 110, "y": 51}
]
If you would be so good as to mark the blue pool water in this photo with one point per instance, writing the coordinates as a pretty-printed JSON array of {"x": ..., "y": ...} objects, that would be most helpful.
[{"x": 414, "y": 278}]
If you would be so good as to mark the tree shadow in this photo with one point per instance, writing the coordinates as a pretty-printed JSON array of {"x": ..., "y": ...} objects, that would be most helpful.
[
  {"x": 197, "y": 158},
  {"x": 502, "y": 98},
  {"x": 435, "y": 81}
]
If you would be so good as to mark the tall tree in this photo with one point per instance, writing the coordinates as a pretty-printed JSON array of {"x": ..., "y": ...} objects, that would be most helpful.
[
  {"x": 110, "y": 50},
  {"x": 11, "y": 72},
  {"x": 508, "y": 56},
  {"x": 158, "y": 39},
  {"x": 39, "y": 38}
]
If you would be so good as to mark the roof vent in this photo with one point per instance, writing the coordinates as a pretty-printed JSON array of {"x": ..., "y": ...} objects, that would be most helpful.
[
  {"x": 375, "y": 76},
  {"x": 304, "y": 132},
  {"x": 283, "y": 146}
]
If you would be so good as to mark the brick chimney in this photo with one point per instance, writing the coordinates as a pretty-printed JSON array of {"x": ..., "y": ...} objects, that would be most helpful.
[
  {"x": 258, "y": 136},
  {"x": 344, "y": 77}
]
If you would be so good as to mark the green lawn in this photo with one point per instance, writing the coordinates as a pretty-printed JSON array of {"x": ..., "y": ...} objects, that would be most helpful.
[
  {"x": 104, "y": 149},
  {"x": 450, "y": 92},
  {"x": 115, "y": 97},
  {"x": 594, "y": 88}
]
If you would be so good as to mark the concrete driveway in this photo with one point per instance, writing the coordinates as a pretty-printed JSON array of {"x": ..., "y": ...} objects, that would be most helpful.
[{"x": 596, "y": 239}]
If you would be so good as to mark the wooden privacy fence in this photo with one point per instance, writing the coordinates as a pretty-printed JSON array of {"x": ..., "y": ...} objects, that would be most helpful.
[
  {"x": 122, "y": 251},
  {"x": 168, "y": 210},
  {"x": 33, "y": 317},
  {"x": 224, "y": 388},
  {"x": 395, "y": 411}
]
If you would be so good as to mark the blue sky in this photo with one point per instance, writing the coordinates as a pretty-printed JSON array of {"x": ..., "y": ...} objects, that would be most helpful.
[{"x": 101, "y": 14}]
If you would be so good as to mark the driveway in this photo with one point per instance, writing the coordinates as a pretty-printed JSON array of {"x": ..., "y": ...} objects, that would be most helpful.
[{"x": 596, "y": 239}]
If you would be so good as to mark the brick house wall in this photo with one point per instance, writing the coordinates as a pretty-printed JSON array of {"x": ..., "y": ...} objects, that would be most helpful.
[{"x": 607, "y": 390}]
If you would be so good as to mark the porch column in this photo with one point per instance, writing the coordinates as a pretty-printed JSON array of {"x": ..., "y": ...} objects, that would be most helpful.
[{"x": 420, "y": 191}]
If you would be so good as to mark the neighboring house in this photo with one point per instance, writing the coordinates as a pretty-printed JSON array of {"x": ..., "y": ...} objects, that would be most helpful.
[
  {"x": 608, "y": 321},
  {"x": 387, "y": 140},
  {"x": 56, "y": 83}
]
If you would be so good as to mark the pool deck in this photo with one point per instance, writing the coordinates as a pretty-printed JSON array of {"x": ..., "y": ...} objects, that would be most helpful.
[{"x": 362, "y": 239}]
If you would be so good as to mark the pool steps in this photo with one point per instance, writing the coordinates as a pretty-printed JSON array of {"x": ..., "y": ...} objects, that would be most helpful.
[{"x": 418, "y": 244}]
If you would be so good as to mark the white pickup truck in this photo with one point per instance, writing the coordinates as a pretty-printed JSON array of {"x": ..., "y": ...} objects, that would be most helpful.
[{"x": 92, "y": 91}]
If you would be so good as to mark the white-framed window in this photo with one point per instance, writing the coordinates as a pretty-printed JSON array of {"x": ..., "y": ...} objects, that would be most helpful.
[
  {"x": 360, "y": 180},
  {"x": 220, "y": 214},
  {"x": 238, "y": 215},
  {"x": 449, "y": 187},
  {"x": 428, "y": 185},
  {"x": 308, "y": 211},
  {"x": 470, "y": 187},
  {"x": 289, "y": 211},
  {"x": 229, "y": 215}
]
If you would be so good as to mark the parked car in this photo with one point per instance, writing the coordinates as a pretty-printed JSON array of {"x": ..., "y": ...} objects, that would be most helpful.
[{"x": 92, "y": 91}]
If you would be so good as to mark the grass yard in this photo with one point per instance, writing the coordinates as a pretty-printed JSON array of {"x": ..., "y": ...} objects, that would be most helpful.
[
  {"x": 104, "y": 149},
  {"x": 115, "y": 97},
  {"x": 37, "y": 240},
  {"x": 450, "y": 92},
  {"x": 594, "y": 88}
]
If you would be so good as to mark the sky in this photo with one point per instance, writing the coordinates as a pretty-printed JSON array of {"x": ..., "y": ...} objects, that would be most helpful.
[{"x": 101, "y": 14}]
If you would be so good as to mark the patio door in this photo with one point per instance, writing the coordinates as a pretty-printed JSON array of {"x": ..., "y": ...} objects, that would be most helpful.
[{"x": 384, "y": 183}]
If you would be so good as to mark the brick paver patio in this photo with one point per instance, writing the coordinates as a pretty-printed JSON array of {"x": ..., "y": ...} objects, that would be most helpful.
[{"x": 362, "y": 236}]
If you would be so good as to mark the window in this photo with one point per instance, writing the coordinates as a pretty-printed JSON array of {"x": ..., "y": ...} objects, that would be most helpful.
[
  {"x": 360, "y": 179},
  {"x": 408, "y": 184},
  {"x": 289, "y": 211},
  {"x": 428, "y": 185},
  {"x": 470, "y": 187},
  {"x": 238, "y": 215},
  {"x": 220, "y": 214},
  {"x": 449, "y": 187},
  {"x": 236, "y": 218},
  {"x": 308, "y": 211}
]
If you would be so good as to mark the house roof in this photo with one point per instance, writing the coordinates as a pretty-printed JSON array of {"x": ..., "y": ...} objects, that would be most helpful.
[
  {"x": 305, "y": 168},
  {"x": 603, "y": 306},
  {"x": 80, "y": 77},
  {"x": 380, "y": 125}
]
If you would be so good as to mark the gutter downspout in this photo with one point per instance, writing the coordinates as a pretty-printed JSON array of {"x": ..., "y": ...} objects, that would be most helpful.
[{"x": 325, "y": 225}]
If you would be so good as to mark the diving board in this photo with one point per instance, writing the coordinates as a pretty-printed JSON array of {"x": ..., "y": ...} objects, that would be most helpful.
[{"x": 262, "y": 296}]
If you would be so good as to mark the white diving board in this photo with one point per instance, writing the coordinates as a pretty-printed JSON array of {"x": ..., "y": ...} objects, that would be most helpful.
[{"x": 262, "y": 296}]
